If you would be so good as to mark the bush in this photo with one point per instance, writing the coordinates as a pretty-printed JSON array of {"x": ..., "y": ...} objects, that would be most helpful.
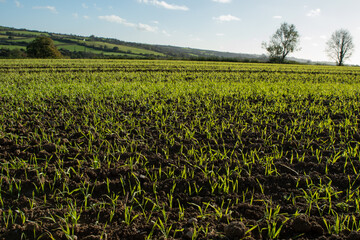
[{"x": 43, "y": 47}]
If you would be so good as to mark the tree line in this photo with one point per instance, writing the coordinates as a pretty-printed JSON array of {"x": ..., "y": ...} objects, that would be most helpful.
[{"x": 286, "y": 40}]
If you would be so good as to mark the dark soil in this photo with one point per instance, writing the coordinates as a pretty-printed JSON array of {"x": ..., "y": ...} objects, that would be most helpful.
[{"x": 78, "y": 168}]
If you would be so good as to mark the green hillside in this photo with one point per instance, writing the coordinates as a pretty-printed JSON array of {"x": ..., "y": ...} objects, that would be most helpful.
[
  {"x": 13, "y": 43},
  {"x": 75, "y": 46}
]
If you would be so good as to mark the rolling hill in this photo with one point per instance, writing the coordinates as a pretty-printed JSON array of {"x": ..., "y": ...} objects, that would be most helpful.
[{"x": 74, "y": 46}]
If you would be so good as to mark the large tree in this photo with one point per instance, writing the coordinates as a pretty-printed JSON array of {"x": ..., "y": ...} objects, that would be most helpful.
[
  {"x": 340, "y": 46},
  {"x": 42, "y": 47},
  {"x": 284, "y": 41}
]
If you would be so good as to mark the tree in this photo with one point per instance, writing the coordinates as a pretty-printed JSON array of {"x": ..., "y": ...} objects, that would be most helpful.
[
  {"x": 284, "y": 41},
  {"x": 340, "y": 46},
  {"x": 15, "y": 53},
  {"x": 42, "y": 47}
]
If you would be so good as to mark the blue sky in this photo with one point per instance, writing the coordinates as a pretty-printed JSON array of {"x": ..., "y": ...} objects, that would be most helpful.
[{"x": 225, "y": 25}]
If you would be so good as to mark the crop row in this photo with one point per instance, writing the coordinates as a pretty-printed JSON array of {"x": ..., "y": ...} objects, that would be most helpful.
[{"x": 182, "y": 150}]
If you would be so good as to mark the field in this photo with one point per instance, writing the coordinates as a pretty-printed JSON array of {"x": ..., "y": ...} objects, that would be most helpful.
[
  {"x": 15, "y": 39},
  {"x": 12, "y": 47},
  {"x": 80, "y": 47},
  {"x": 109, "y": 149},
  {"x": 120, "y": 47}
]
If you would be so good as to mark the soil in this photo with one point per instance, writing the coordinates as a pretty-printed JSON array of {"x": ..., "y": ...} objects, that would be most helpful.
[{"x": 67, "y": 163}]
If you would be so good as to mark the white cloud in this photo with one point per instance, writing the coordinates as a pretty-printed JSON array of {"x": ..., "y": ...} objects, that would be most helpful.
[
  {"x": 146, "y": 28},
  {"x": 166, "y": 33},
  {"x": 220, "y": 34},
  {"x": 314, "y": 12},
  {"x": 222, "y": 1},
  {"x": 50, "y": 8},
  {"x": 165, "y": 5},
  {"x": 307, "y": 38},
  {"x": 86, "y": 17},
  {"x": 84, "y": 5},
  {"x": 119, "y": 20},
  {"x": 18, "y": 4},
  {"x": 75, "y": 15},
  {"x": 226, "y": 18},
  {"x": 323, "y": 37},
  {"x": 277, "y": 17}
]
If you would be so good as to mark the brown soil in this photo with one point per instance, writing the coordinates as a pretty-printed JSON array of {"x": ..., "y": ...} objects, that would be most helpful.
[{"x": 66, "y": 162}]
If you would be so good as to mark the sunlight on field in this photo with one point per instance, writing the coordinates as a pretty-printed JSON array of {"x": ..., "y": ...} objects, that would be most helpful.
[{"x": 178, "y": 149}]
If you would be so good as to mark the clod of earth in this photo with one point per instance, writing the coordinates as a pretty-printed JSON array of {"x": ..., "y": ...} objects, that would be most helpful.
[{"x": 235, "y": 230}]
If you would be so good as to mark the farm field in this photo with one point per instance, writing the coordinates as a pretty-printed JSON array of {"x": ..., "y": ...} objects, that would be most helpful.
[
  {"x": 15, "y": 39},
  {"x": 80, "y": 47},
  {"x": 10, "y": 39},
  {"x": 135, "y": 149}
]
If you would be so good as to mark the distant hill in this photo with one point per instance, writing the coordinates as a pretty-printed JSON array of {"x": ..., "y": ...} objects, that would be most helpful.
[
  {"x": 13, "y": 43},
  {"x": 98, "y": 47}
]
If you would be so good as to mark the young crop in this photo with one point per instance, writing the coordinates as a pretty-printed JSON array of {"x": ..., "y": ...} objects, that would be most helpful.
[
  {"x": 128, "y": 215},
  {"x": 109, "y": 146}
]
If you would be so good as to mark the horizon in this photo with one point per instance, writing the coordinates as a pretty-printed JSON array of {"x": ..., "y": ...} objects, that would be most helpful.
[{"x": 218, "y": 25}]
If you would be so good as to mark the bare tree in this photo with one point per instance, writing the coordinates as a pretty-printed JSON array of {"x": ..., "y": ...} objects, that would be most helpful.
[
  {"x": 284, "y": 41},
  {"x": 340, "y": 46}
]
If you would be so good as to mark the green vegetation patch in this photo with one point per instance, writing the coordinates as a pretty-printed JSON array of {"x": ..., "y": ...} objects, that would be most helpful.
[
  {"x": 12, "y": 47},
  {"x": 120, "y": 48},
  {"x": 23, "y": 39},
  {"x": 26, "y": 32},
  {"x": 178, "y": 150},
  {"x": 74, "y": 47}
]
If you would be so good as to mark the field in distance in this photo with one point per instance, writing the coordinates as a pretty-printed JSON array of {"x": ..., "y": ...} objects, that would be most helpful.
[
  {"x": 74, "y": 46},
  {"x": 135, "y": 149}
]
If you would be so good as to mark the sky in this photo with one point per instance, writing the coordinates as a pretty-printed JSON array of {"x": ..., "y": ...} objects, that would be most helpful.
[{"x": 238, "y": 26}]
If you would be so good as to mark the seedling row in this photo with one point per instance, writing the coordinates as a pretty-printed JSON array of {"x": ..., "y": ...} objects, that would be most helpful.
[{"x": 102, "y": 149}]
